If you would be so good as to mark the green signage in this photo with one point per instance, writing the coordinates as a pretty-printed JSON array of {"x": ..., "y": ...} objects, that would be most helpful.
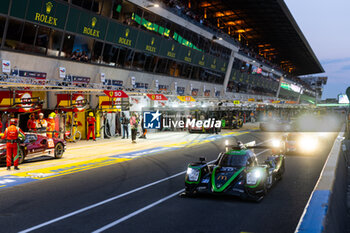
[
  {"x": 4, "y": 6},
  {"x": 200, "y": 59},
  {"x": 148, "y": 42},
  {"x": 47, "y": 12},
  {"x": 54, "y": 13},
  {"x": 187, "y": 55},
  {"x": 222, "y": 65},
  {"x": 126, "y": 36},
  {"x": 92, "y": 26},
  {"x": 112, "y": 28},
  {"x": 73, "y": 19},
  {"x": 18, "y": 8},
  {"x": 169, "y": 49}
]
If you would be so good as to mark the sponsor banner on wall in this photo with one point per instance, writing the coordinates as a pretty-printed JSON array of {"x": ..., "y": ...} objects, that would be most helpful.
[
  {"x": 77, "y": 79},
  {"x": 170, "y": 49},
  {"x": 125, "y": 36},
  {"x": 194, "y": 92},
  {"x": 207, "y": 93},
  {"x": 47, "y": 12},
  {"x": 148, "y": 43},
  {"x": 6, "y": 66},
  {"x": 141, "y": 85},
  {"x": 180, "y": 90},
  {"x": 62, "y": 72},
  {"x": 163, "y": 87},
  {"x": 111, "y": 82}
]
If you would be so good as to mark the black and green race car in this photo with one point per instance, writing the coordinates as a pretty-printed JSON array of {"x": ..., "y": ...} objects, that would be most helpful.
[{"x": 235, "y": 172}]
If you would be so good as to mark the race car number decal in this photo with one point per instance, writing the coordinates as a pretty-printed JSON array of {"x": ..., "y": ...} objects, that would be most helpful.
[{"x": 50, "y": 143}]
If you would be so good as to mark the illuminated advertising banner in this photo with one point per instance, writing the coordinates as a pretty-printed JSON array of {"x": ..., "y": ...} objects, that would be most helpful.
[
  {"x": 47, "y": 12},
  {"x": 92, "y": 26},
  {"x": 169, "y": 49},
  {"x": 148, "y": 42},
  {"x": 187, "y": 55},
  {"x": 200, "y": 59},
  {"x": 125, "y": 36},
  {"x": 53, "y": 13}
]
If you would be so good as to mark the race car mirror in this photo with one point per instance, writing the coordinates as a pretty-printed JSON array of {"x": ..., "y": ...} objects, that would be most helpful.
[{"x": 201, "y": 159}]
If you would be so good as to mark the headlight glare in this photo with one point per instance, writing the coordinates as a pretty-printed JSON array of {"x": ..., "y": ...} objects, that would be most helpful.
[
  {"x": 253, "y": 176},
  {"x": 192, "y": 174},
  {"x": 276, "y": 143},
  {"x": 308, "y": 143}
]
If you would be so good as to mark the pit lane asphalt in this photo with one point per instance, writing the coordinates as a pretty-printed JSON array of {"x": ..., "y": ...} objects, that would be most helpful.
[{"x": 28, "y": 205}]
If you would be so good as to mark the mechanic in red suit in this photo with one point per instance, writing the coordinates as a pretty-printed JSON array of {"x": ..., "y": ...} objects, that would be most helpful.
[
  {"x": 31, "y": 124},
  {"x": 91, "y": 126},
  {"x": 12, "y": 135}
]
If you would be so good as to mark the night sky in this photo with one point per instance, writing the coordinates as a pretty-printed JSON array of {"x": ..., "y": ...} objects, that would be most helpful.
[{"x": 326, "y": 25}]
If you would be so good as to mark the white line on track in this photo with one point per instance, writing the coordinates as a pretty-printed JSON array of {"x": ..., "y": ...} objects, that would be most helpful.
[
  {"x": 118, "y": 197},
  {"x": 99, "y": 203},
  {"x": 120, "y": 220},
  {"x": 112, "y": 224}
]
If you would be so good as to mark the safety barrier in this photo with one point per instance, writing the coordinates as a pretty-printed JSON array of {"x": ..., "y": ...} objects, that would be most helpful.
[{"x": 326, "y": 210}]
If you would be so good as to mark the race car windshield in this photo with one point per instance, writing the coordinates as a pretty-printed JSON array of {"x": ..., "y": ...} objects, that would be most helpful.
[{"x": 233, "y": 161}]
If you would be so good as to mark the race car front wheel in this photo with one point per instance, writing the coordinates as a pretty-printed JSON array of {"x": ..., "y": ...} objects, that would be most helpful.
[{"x": 59, "y": 149}]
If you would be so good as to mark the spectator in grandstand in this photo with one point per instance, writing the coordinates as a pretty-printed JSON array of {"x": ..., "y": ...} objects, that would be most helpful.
[{"x": 84, "y": 57}]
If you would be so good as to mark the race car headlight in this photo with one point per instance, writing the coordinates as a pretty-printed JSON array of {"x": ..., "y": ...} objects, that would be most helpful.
[
  {"x": 276, "y": 143},
  {"x": 192, "y": 174},
  {"x": 308, "y": 143},
  {"x": 253, "y": 176}
]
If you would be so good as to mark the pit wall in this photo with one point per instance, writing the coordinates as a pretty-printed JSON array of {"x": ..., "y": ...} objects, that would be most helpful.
[{"x": 326, "y": 210}]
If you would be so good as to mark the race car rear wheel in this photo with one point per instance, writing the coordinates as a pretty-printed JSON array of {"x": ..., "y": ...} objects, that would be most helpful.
[{"x": 59, "y": 150}]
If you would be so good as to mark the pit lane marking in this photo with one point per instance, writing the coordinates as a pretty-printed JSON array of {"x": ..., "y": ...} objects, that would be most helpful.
[
  {"x": 100, "y": 203},
  {"x": 45, "y": 173},
  {"x": 116, "y": 222}
]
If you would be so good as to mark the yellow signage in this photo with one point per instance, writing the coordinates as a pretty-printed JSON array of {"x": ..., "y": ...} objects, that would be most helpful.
[
  {"x": 188, "y": 57},
  {"x": 91, "y": 31},
  {"x": 236, "y": 102},
  {"x": 46, "y": 18},
  {"x": 151, "y": 48},
  {"x": 213, "y": 66},
  {"x": 125, "y": 40},
  {"x": 202, "y": 62},
  {"x": 224, "y": 67},
  {"x": 186, "y": 98}
]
